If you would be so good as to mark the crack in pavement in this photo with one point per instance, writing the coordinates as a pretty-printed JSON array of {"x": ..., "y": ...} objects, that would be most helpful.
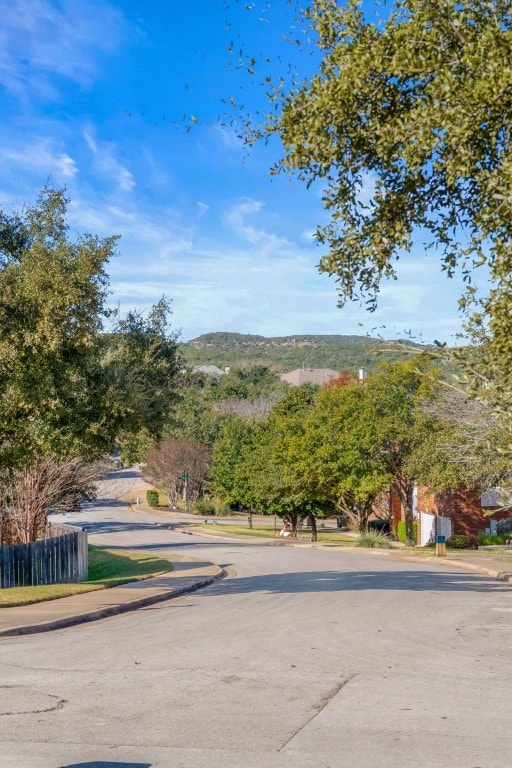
[
  {"x": 324, "y": 701},
  {"x": 58, "y": 704}
]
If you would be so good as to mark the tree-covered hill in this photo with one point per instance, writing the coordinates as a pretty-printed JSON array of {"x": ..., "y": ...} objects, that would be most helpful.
[{"x": 289, "y": 352}]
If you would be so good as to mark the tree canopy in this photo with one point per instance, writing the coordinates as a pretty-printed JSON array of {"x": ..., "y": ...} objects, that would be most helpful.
[
  {"x": 67, "y": 388},
  {"x": 417, "y": 109},
  {"x": 52, "y": 304},
  {"x": 140, "y": 363}
]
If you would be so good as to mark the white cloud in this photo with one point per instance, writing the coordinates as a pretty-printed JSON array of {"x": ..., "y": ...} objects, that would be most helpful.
[
  {"x": 308, "y": 235},
  {"x": 150, "y": 240},
  {"x": 267, "y": 242},
  {"x": 202, "y": 209},
  {"x": 40, "y": 154},
  {"x": 39, "y": 40},
  {"x": 107, "y": 164},
  {"x": 256, "y": 283}
]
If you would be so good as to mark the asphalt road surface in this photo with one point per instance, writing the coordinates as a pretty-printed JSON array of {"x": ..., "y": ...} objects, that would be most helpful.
[{"x": 306, "y": 658}]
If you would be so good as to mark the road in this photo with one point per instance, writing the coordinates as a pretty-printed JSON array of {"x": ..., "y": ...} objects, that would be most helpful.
[{"x": 306, "y": 658}]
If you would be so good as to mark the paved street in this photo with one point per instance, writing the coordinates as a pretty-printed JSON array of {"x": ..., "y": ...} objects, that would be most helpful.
[{"x": 305, "y": 658}]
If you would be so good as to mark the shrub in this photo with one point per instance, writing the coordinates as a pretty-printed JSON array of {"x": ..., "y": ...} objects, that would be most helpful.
[
  {"x": 204, "y": 507},
  {"x": 400, "y": 531},
  {"x": 504, "y": 526},
  {"x": 374, "y": 539},
  {"x": 491, "y": 539},
  {"x": 460, "y": 541},
  {"x": 223, "y": 510},
  {"x": 152, "y": 498}
]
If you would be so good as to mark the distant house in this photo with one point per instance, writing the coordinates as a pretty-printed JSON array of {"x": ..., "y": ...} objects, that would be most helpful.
[
  {"x": 210, "y": 370},
  {"x": 452, "y": 512},
  {"x": 309, "y": 375}
]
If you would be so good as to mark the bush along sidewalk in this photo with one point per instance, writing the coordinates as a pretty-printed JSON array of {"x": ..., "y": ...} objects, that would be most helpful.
[{"x": 152, "y": 498}]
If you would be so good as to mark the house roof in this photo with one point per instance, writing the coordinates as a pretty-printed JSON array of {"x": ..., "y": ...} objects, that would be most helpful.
[
  {"x": 212, "y": 370},
  {"x": 311, "y": 375}
]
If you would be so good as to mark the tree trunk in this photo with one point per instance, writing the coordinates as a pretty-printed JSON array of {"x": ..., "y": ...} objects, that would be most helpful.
[
  {"x": 314, "y": 535},
  {"x": 405, "y": 489},
  {"x": 294, "y": 522},
  {"x": 409, "y": 520}
]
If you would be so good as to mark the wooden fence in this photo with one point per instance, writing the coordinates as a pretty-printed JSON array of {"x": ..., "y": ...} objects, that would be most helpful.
[{"x": 60, "y": 557}]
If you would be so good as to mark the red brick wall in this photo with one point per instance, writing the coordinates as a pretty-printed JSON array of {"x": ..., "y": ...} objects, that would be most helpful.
[
  {"x": 466, "y": 512},
  {"x": 462, "y": 506},
  {"x": 396, "y": 512}
]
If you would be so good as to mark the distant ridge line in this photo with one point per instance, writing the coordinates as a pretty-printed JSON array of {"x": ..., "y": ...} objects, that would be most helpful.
[{"x": 285, "y": 353}]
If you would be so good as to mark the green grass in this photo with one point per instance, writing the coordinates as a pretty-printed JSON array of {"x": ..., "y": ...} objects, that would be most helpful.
[
  {"x": 107, "y": 568},
  {"x": 267, "y": 532}
]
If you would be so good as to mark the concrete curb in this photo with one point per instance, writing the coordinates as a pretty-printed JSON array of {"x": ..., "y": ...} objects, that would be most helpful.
[
  {"x": 505, "y": 576},
  {"x": 112, "y": 610},
  {"x": 235, "y": 537}
]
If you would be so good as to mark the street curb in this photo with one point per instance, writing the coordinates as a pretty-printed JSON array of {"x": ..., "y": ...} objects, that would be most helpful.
[
  {"x": 112, "y": 610},
  {"x": 504, "y": 576},
  {"x": 235, "y": 537}
]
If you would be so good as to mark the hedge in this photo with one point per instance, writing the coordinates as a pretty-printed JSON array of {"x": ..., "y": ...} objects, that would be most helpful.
[
  {"x": 152, "y": 498},
  {"x": 400, "y": 531}
]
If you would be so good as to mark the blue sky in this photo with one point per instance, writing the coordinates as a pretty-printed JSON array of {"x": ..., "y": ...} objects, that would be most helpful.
[{"x": 98, "y": 95}]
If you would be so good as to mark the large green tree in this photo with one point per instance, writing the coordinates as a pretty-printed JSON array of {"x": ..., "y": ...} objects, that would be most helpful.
[
  {"x": 394, "y": 397},
  {"x": 255, "y": 465},
  {"x": 68, "y": 388},
  {"x": 139, "y": 366},
  {"x": 358, "y": 441},
  {"x": 52, "y": 304},
  {"x": 229, "y": 460},
  {"x": 418, "y": 109},
  {"x": 340, "y": 453}
]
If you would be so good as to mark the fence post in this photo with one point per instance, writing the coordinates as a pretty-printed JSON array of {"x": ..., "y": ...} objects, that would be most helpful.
[{"x": 61, "y": 557}]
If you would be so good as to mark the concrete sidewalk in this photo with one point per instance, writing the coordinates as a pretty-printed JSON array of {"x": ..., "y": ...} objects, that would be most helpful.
[
  {"x": 187, "y": 576},
  {"x": 496, "y": 565}
]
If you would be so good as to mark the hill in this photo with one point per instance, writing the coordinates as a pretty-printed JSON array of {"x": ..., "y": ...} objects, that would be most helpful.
[{"x": 285, "y": 353}]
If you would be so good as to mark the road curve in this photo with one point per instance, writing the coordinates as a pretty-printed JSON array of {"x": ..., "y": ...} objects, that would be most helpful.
[{"x": 307, "y": 658}]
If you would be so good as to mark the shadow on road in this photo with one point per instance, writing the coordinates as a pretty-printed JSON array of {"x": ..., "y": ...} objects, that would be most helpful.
[
  {"x": 129, "y": 473},
  {"x": 117, "y": 527},
  {"x": 342, "y": 581},
  {"x": 187, "y": 542},
  {"x": 103, "y": 503},
  {"x": 108, "y": 764}
]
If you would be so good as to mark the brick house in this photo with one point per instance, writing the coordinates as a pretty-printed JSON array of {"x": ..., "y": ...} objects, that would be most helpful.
[{"x": 454, "y": 512}]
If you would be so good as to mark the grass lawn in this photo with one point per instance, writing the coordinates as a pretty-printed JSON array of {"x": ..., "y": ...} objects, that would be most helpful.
[
  {"x": 107, "y": 568},
  {"x": 267, "y": 532}
]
